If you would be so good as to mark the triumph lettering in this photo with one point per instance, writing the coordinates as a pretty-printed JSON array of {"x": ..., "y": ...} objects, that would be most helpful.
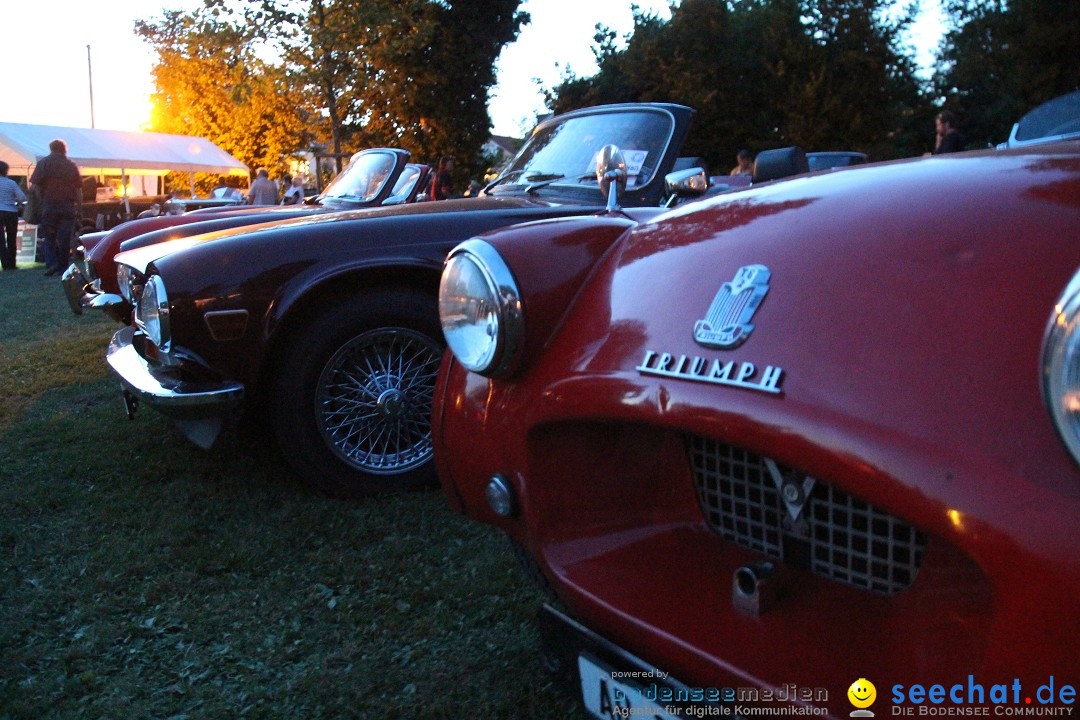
[
  {"x": 699, "y": 369},
  {"x": 720, "y": 373}
]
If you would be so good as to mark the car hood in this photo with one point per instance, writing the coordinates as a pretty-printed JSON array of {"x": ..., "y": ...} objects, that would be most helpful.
[
  {"x": 888, "y": 304},
  {"x": 140, "y": 258}
]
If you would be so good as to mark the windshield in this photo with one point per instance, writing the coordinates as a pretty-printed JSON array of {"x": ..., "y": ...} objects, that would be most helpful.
[
  {"x": 404, "y": 186},
  {"x": 362, "y": 180},
  {"x": 1053, "y": 119},
  {"x": 565, "y": 152}
]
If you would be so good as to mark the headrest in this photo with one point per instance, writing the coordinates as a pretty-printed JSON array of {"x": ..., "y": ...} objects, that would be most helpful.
[{"x": 776, "y": 164}]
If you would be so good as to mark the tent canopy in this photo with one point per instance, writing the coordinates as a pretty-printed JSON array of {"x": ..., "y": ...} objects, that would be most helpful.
[{"x": 108, "y": 152}]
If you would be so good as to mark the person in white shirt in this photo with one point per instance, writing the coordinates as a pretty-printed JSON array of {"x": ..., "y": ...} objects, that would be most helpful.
[
  {"x": 10, "y": 197},
  {"x": 295, "y": 194}
]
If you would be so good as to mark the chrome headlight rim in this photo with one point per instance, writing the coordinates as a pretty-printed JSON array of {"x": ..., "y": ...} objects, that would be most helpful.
[
  {"x": 125, "y": 280},
  {"x": 152, "y": 313},
  {"x": 506, "y": 297},
  {"x": 1061, "y": 366}
]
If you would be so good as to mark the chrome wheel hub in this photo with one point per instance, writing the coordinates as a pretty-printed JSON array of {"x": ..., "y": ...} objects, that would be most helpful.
[
  {"x": 391, "y": 404},
  {"x": 373, "y": 400}
]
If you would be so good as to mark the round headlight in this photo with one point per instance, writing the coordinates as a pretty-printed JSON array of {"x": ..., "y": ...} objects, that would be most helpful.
[
  {"x": 480, "y": 309},
  {"x": 125, "y": 279},
  {"x": 152, "y": 313},
  {"x": 1061, "y": 366}
]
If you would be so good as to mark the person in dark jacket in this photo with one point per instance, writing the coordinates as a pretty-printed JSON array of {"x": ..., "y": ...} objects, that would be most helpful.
[
  {"x": 949, "y": 137},
  {"x": 60, "y": 185},
  {"x": 441, "y": 187}
]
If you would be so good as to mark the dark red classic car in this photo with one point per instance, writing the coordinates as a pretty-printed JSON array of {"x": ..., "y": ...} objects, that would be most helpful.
[
  {"x": 812, "y": 437},
  {"x": 374, "y": 177},
  {"x": 327, "y": 325}
]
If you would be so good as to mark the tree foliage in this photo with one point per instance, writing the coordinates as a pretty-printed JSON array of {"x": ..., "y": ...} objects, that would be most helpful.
[
  {"x": 210, "y": 83},
  {"x": 822, "y": 74},
  {"x": 1001, "y": 59},
  {"x": 351, "y": 73}
]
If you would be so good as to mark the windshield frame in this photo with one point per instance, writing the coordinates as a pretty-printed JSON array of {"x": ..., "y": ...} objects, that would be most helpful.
[
  {"x": 524, "y": 183},
  {"x": 1068, "y": 101},
  {"x": 396, "y": 163},
  {"x": 409, "y": 193}
]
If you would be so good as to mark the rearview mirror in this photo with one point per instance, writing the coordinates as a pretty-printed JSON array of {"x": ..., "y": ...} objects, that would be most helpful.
[{"x": 611, "y": 174}]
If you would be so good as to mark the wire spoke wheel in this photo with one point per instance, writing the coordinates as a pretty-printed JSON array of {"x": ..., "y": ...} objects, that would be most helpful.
[{"x": 373, "y": 400}]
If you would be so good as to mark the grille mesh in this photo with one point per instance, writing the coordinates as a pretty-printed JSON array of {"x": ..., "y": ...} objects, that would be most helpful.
[{"x": 833, "y": 534}]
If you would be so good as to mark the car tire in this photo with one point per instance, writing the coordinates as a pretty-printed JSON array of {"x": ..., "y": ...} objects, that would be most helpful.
[{"x": 350, "y": 401}]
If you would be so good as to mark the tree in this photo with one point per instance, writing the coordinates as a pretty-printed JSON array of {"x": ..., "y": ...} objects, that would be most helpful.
[
  {"x": 349, "y": 73},
  {"x": 1001, "y": 59},
  {"x": 436, "y": 100},
  {"x": 336, "y": 50},
  {"x": 861, "y": 87},
  {"x": 411, "y": 73},
  {"x": 824, "y": 74},
  {"x": 210, "y": 83}
]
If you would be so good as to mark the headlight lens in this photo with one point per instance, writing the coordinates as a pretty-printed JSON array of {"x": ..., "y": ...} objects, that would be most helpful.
[
  {"x": 1061, "y": 366},
  {"x": 127, "y": 278},
  {"x": 480, "y": 309},
  {"x": 152, "y": 313}
]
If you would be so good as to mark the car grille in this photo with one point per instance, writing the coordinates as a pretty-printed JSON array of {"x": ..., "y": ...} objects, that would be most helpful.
[{"x": 788, "y": 516}]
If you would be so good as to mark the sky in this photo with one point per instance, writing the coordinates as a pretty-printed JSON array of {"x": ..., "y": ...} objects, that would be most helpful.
[{"x": 45, "y": 49}]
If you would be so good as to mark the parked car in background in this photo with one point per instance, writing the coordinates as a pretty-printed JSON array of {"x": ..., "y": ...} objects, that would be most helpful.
[
  {"x": 379, "y": 176},
  {"x": 788, "y": 441},
  {"x": 222, "y": 197},
  {"x": 328, "y": 326}
]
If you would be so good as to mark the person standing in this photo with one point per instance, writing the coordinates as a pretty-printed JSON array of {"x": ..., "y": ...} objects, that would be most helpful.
[
  {"x": 61, "y": 191},
  {"x": 10, "y": 197},
  {"x": 295, "y": 194},
  {"x": 441, "y": 186},
  {"x": 949, "y": 137},
  {"x": 263, "y": 190}
]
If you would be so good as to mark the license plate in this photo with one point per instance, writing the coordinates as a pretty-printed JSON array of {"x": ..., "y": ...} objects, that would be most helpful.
[{"x": 607, "y": 697}]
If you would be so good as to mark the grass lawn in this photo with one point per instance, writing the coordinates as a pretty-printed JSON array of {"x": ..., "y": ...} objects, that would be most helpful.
[{"x": 145, "y": 578}]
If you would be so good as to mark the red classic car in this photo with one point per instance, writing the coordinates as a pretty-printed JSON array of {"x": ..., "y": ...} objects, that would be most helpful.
[
  {"x": 808, "y": 448},
  {"x": 373, "y": 177}
]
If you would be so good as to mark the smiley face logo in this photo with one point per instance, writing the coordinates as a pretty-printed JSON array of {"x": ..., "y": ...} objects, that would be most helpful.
[{"x": 862, "y": 693}]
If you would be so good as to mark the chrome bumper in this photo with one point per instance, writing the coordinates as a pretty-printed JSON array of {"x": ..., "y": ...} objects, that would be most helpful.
[
  {"x": 81, "y": 293},
  {"x": 197, "y": 407}
]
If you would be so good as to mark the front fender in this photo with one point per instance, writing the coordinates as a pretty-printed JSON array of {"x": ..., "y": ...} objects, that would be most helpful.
[
  {"x": 319, "y": 284},
  {"x": 550, "y": 260}
]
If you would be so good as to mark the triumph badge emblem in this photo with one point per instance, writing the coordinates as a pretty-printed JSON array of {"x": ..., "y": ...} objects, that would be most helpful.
[{"x": 727, "y": 324}]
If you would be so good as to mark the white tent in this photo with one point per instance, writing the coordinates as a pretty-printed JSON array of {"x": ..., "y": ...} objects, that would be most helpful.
[{"x": 115, "y": 152}]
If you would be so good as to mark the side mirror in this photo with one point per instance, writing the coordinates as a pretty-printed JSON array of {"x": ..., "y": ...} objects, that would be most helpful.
[
  {"x": 689, "y": 183},
  {"x": 611, "y": 174}
]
